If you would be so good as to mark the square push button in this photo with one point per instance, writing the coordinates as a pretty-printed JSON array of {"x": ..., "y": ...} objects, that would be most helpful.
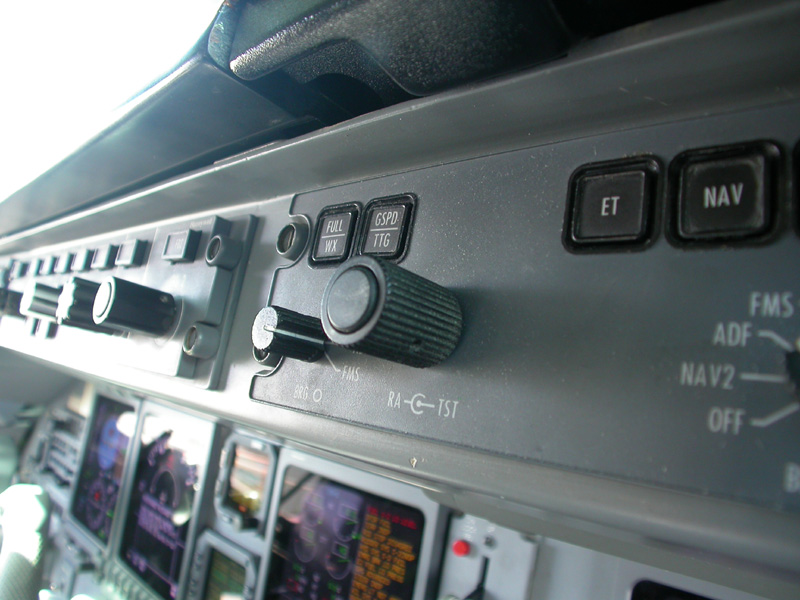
[
  {"x": 48, "y": 265},
  {"x": 19, "y": 270},
  {"x": 181, "y": 246},
  {"x": 131, "y": 253},
  {"x": 104, "y": 257},
  {"x": 64, "y": 263},
  {"x": 82, "y": 260},
  {"x": 386, "y": 230},
  {"x": 611, "y": 205},
  {"x": 723, "y": 195},
  {"x": 335, "y": 227}
]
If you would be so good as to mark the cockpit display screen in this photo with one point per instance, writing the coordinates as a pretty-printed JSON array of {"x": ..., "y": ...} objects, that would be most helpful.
[
  {"x": 247, "y": 481},
  {"x": 172, "y": 455},
  {"x": 333, "y": 541},
  {"x": 100, "y": 476},
  {"x": 226, "y": 578}
]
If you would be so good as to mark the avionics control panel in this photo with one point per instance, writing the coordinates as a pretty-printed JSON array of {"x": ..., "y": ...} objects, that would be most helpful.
[
  {"x": 593, "y": 327},
  {"x": 157, "y": 298},
  {"x": 630, "y": 307},
  {"x": 625, "y": 305}
]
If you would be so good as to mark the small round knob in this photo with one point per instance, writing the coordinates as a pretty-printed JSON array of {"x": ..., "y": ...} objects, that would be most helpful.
[
  {"x": 40, "y": 301},
  {"x": 224, "y": 252},
  {"x": 75, "y": 304},
  {"x": 201, "y": 341},
  {"x": 288, "y": 333},
  {"x": 375, "y": 307},
  {"x": 127, "y": 306}
]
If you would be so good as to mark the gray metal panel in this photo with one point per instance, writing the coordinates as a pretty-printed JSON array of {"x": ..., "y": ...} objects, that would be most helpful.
[{"x": 587, "y": 361}]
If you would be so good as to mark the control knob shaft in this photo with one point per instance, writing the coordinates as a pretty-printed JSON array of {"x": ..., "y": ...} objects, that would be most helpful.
[{"x": 127, "y": 306}]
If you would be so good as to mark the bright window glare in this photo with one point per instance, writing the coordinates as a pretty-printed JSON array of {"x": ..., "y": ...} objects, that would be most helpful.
[{"x": 67, "y": 65}]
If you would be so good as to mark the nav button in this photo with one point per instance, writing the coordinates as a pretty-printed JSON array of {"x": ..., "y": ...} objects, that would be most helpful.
[
  {"x": 723, "y": 196},
  {"x": 611, "y": 208}
]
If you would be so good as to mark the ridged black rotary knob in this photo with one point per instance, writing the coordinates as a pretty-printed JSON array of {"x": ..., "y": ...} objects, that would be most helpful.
[
  {"x": 288, "y": 333},
  {"x": 75, "y": 304},
  {"x": 40, "y": 301},
  {"x": 127, "y": 306},
  {"x": 375, "y": 307}
]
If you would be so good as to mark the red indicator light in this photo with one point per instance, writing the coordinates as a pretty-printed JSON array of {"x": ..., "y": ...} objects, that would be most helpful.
[{"x": 461, "y": 547}]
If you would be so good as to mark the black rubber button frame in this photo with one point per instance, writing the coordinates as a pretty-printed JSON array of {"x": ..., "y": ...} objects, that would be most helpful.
[
  {"x": 771, "y": 155},
  {"x": 409, "y": 201},
  {"x": 355, "y": 210},
  {"x": 643, "y": 164}
]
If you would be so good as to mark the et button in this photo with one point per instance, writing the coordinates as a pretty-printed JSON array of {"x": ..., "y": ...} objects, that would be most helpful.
[{"x": 611, "y": 207}]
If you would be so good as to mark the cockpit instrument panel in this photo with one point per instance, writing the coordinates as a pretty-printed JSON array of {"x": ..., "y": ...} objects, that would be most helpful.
[
  {"x": 333, "y": 541},
  {"x": 173, "y": 451},
  {"x": 97, "y": 490},
  {"x": 242, "y": 492}
]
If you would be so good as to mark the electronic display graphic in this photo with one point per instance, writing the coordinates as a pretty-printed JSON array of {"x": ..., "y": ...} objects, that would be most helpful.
[
  {"x": 100, "y": 476},
  {"x": 173, "y": 452},
  {"x": 226, "y": 578},
  {"x": 333, "y": 542},
  {"x": 247, "y": 481}
]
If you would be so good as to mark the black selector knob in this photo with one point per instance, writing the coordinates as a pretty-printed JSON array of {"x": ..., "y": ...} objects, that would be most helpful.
[
  {"x": 375, "y": 307},
  {"x": 75, "y": 304},
  {"x": 128, "y": 306},
  {"x": 40, "y": 301},
  {"x": 288, "y": 333}
]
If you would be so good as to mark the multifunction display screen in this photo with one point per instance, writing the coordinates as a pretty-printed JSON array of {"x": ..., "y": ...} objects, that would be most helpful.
[
  {"x": 173, "y": 452},
  {"x": 247, "y": 481},
  {"x": 225, "y": 578},
  {"x": 96, "y": 493},
  {"x": 333, "y": 542}
]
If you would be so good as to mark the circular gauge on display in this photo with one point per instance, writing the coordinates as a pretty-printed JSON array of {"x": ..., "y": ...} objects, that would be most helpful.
[
  {"x": 164, "y": 488},
  {"x": 338, "y": 562},
  {"x": 313, "y": 510},
  {"x": 347, "y": 523},
  {"x": 96, "y": 503},
  {"x": 305, "y": 545}
]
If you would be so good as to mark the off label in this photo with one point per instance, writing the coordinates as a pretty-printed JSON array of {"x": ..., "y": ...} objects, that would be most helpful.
[{"x": 725, "y": 420}]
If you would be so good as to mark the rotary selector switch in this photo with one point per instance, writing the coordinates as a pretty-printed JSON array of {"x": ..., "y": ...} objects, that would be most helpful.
[
  {"x": 127, "y": 306},
  {"x": 793, "y": 367},
  {"x": 40, "y": 301},
  {"x": 287, "y": 333},
  {"x": 375, "y": 307},
  {"x": 75, "y": 305}
]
